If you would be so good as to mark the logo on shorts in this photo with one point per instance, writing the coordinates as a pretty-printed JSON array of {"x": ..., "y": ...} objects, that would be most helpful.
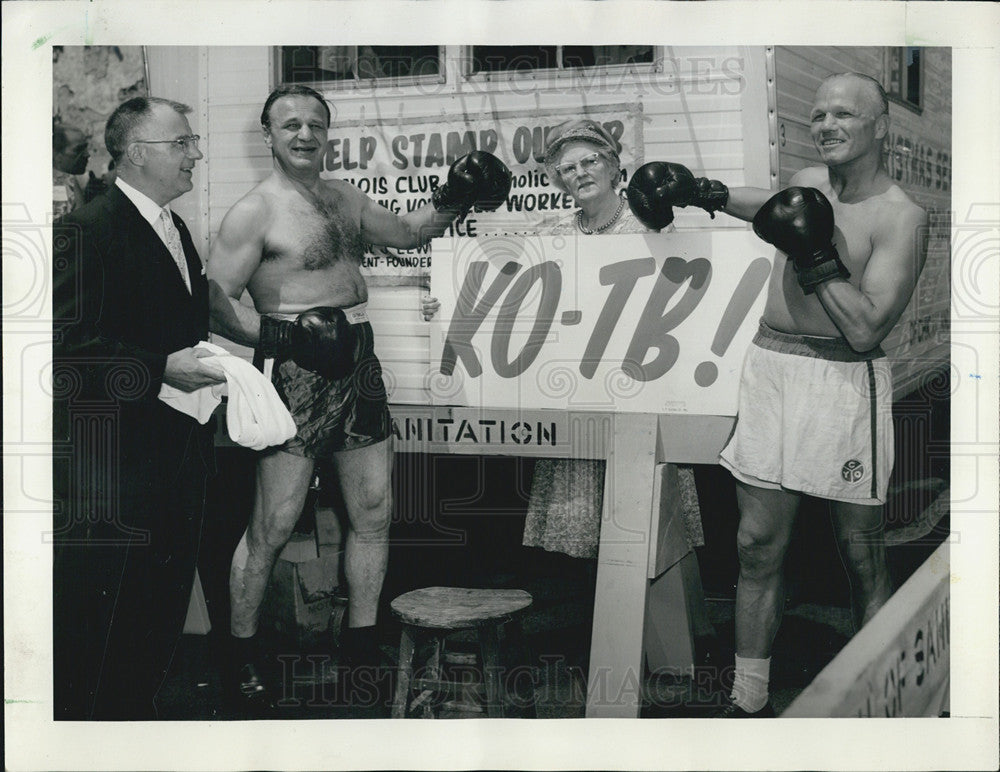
[{"x": 853, "y": 471}]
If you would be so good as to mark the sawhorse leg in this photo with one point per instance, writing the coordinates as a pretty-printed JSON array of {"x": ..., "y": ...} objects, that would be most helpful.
[{"x": 614, "y": 685}]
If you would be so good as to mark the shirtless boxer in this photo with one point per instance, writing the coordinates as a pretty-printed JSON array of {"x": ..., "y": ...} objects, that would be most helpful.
[
  {"x": 815, "y": 406},
  {"x": 295, "y": 242}
]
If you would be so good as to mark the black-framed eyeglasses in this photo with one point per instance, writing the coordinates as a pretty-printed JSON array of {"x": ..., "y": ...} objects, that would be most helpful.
[
  {"x": 586, "y": 164},
  {"x": 187, "y": 144}
]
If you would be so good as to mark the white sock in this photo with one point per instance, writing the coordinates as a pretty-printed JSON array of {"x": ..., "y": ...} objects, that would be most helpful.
[{"x": 750, "y": 685}]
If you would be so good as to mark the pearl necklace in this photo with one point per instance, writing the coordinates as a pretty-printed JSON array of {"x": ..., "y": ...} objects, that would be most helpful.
[{"x": 608, "y": 224}]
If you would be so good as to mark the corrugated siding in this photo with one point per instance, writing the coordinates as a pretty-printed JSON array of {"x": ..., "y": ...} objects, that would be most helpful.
[
  {"x": 692, "y": 114},
  {"x": 923, "y": 336},
  {"x": 920, "y": 341}
]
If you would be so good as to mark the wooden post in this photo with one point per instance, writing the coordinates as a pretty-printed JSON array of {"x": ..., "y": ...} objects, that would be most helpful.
[{"x": 614, "y": 685}]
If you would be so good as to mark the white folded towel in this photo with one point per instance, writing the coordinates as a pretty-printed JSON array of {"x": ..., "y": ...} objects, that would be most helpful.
[{"x": 255, "y": 415}]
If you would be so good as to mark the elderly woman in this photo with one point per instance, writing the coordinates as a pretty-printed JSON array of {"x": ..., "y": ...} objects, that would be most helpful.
[
  {"x": 581, "y": 160},
  {"x": 564, "y": 508}
]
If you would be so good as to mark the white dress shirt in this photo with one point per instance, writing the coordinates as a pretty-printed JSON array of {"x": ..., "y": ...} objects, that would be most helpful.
[
  {"x": 147, "y": 207},
  {"x": 153, "y": 214}
]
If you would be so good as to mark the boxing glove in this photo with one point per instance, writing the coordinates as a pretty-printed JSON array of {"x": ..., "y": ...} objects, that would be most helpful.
[
  {"x": 799, "y": 222},
  {"x": 479, "y": 180},
  {"x": 658, "y": 186},
  {"x": 710, "y": 195},
  {"x": 320, "y": 339},
  {"x": 655, "y": 189}
]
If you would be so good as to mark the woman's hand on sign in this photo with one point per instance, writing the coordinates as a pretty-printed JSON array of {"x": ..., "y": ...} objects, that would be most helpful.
[{"x": 429, "y": 306}]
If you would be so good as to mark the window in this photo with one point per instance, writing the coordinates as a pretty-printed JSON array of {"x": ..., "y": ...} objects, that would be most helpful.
[
  {"x": 354, "y": 65},
  {"x": 488, "y": 59},
  {"x": 903, "y": 80}
]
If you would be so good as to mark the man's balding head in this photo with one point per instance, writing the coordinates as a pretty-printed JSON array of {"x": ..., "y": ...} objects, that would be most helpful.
[
  {"x": 874, "y": 94},
  {"x": 849, "y": 119}
]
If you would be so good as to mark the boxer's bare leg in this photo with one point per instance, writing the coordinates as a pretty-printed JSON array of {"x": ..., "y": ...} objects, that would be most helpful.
[
  {"x": 365, "y": 477},
  {"x": 861, "y": 538},
  {"x": 766, "y": 520},
  {"x": 282, "y": 484}
]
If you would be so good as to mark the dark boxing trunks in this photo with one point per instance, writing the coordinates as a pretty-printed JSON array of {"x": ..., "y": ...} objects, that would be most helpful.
[{"x": 335, "y": 415}]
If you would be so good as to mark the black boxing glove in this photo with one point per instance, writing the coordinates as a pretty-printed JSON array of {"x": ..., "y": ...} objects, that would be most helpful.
[
  {"x": 320, "y": 339},
  {"x": 658, "y": 186},
  {"x": 799, "y": 222},
  {"x": 710, "y": 195},
  {"x": 479, "y": 180},
  {"x": 655, "y": 189}
]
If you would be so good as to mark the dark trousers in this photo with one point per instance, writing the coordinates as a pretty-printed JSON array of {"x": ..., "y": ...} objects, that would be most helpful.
[{"x": 122, "y": 577}]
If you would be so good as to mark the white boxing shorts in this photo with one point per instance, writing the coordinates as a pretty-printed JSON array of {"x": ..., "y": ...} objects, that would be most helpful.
[{"x": 814, "y": 417}]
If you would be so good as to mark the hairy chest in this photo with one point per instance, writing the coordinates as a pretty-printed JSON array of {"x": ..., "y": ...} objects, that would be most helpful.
[{"x": 314, "y": 235}]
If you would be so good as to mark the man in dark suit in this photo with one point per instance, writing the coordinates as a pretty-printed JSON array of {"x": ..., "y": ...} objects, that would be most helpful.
[{"x": 130, "y": 301}]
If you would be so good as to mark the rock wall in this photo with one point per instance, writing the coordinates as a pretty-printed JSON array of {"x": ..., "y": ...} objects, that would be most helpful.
[{"x": 88, "y": 83}]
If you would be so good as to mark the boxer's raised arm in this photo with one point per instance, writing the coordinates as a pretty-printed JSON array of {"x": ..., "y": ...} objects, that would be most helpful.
[
  {"x": 866, "y": 314},
  {"x": 744, "y": 203},
  {"x": 478, "y": 179},
  {"x": 659, "y": 186},
  {"x": 382, "y": 227},
  {"x": 235, "y": 255}
]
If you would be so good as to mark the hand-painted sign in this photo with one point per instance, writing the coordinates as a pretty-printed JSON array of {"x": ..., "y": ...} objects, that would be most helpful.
[
  {"x": 399, "y": 163},
  {"x": 652, "y": 323},
  {"x": 899, "y": 664},
  {"x": 472, "y": 429}
]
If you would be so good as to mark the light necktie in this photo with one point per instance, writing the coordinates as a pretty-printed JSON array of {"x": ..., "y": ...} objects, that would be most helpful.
[{"x": 173, "y": 241}]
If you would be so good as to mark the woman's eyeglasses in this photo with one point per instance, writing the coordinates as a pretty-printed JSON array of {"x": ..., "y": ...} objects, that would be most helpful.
[{"x": 586, "y": 164}]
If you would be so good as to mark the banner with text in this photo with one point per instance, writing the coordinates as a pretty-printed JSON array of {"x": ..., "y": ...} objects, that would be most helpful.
[
  {"x": 399, "y": 163},
  {"x": 653, "y": 323}
]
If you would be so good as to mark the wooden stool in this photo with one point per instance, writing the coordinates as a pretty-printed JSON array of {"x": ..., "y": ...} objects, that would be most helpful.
[{"x": 435, "y": 612}]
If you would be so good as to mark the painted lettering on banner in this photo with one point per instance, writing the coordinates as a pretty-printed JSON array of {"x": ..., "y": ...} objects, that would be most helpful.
[
  {"x": 431, "y": 429},
  {"x": 654, "y": 323},
  {"x": 400, "y": 162},
  {"x": 913, "y": 668}
]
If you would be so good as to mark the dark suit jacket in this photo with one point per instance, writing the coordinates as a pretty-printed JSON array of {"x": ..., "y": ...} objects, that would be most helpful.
[
  {"x": 120, "y": 307},
  {"x": 129, "y": 472}
]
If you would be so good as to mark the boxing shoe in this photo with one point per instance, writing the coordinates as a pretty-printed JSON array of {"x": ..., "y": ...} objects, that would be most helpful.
[
  {"x": 363, "y": 681},
  {"x": 732, "y": 710},
  {"x": 245, "y": 690},
  {"x": 246, "y": 694}
]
